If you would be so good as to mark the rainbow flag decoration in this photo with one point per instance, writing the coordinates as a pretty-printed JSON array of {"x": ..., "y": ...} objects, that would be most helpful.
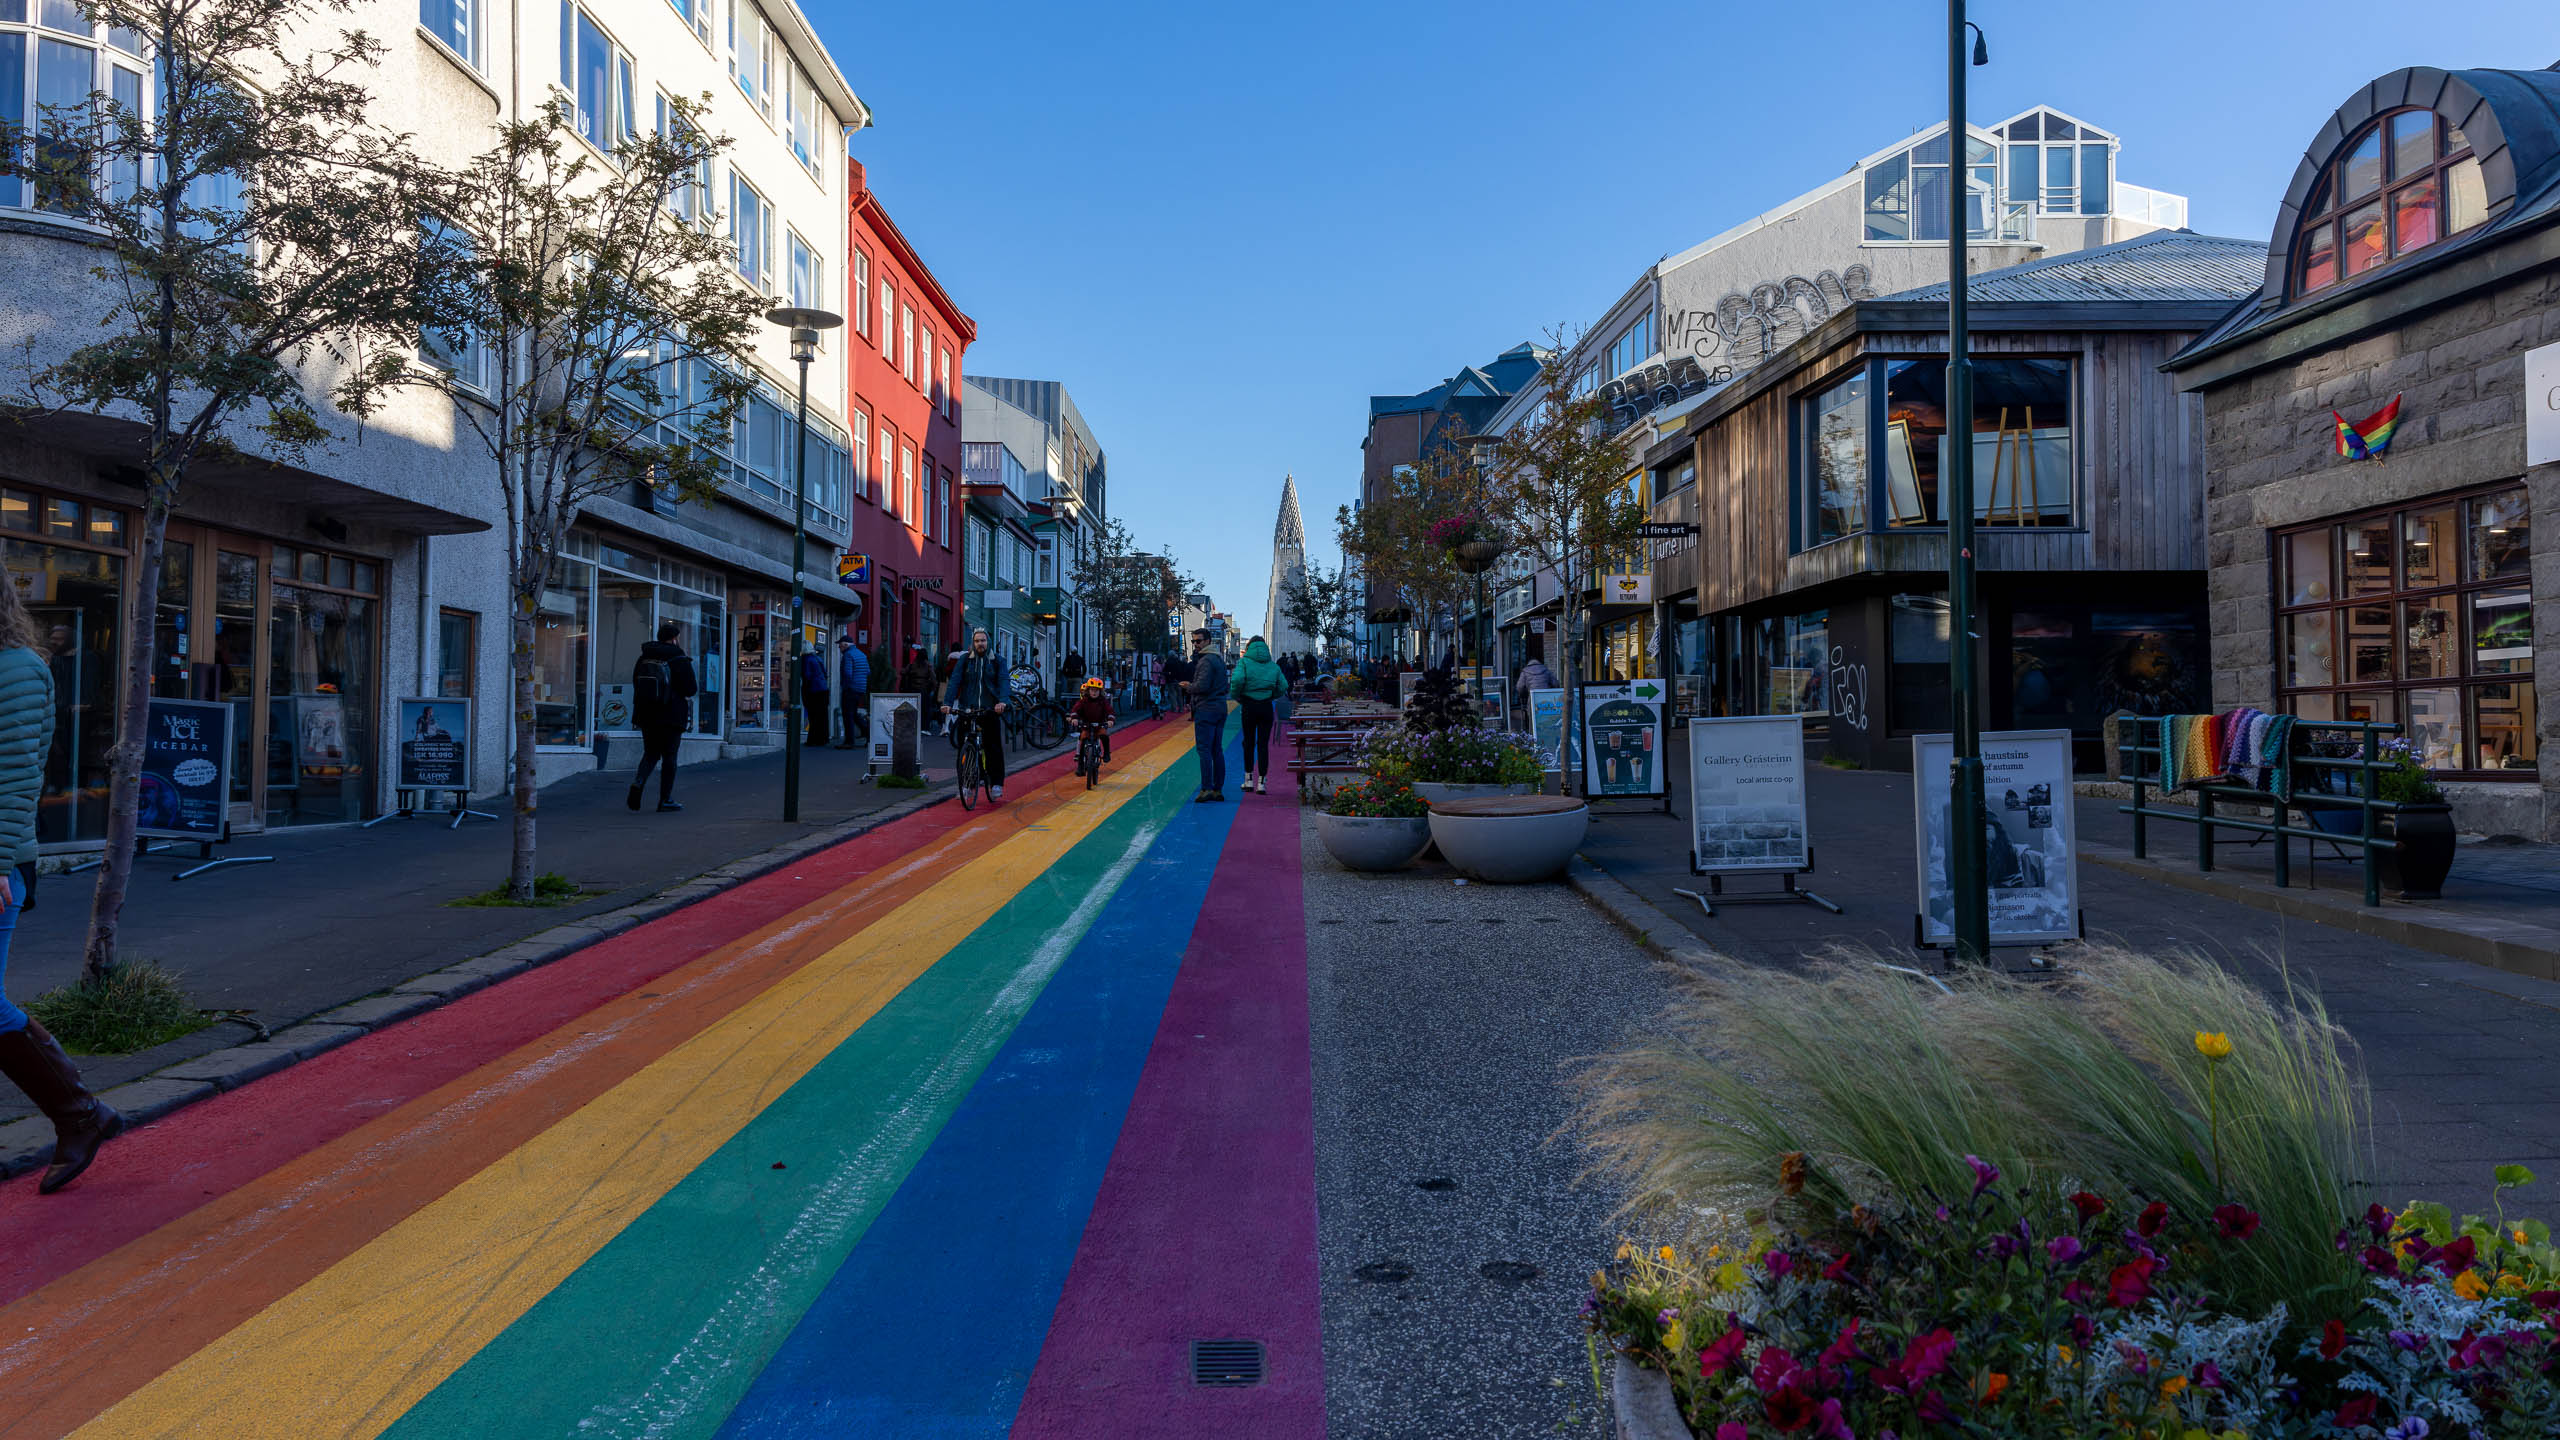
[{"x": 2368, "y": 440}]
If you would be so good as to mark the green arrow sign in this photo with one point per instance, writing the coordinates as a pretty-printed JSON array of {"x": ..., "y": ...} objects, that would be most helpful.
[{"x": 1648, "y": 691}]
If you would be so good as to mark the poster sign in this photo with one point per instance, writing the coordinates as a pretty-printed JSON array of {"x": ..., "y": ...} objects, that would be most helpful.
[
  {"x": 2542, "y": 406},
  {"x": 435, "y": 745},
  {"x": 186, "y": 769},
  {"x": 884, "y": 723},
  {"x": 1746, "y": 795},
  {"x": 1623, "y": 754},
  {"x": 1491, "y": 695},
  {"x": 2028, "y": 839},
  {"x": 1404, "y": 688},
  {"x": 1626, "y": 589},
  {"x": 1546, "y": 722}
]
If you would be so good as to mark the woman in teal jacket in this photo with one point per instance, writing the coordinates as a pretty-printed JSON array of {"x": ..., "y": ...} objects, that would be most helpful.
[
  {"x": 1258, "y": 686},
  {"x": 32, "y": 1059}
]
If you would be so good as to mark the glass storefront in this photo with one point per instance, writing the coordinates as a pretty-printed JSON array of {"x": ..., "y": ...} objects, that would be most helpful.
[
  {"x": 605, "y": 601},
  {"x": 321, "y": 700},
  {"x": 74, "y": 597},
  {"x": 1790, "y": 663}
]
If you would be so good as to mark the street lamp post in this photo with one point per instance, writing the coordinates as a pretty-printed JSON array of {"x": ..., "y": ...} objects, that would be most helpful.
[
  {"x": 1966, "y": 857},
  {"x": 804, "y": 324}
]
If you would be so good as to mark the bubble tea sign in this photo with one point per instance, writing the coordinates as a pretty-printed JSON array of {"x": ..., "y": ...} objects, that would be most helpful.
[{"x": 186, "y": 770}]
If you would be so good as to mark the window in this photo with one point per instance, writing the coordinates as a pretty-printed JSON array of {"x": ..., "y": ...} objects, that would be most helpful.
[
  {"x": 924, "y": 345},
  {"x": 1906, "y": 194},
  {"x": 950, "y": 396},
  {"x": 2059, "y": 166},
  {"x": 751, "y": 54},
  {"x": 457, "y": 651},
  {"x": 976, "y": 550},
  {"x": 1048, "y": 559},
  {"x": 888, "y": 332},
  {"x": 861, "y": 450},
  {"x": 45, "y": 80},
  {"x": 1835, "y": 447},
  {"x": 942, "y": 507},
  {"x": 804, "y": 114},
  {"x": 751, "y": 228},
  {"x": 451, "y": 21},
  {"x": 907, "y": 342},
  {"x": 888, "y": 482},
  {"x": 860, "y": 299},
  {"x": 459, "y": 353},
  {"x": 808, "y": 275},
  {"x": 2023, "y": 465},
  {"x": 597, "y": 74},
  {"x": 696, "y": 13},
  {"x": 1630, "y": 349},
  {"x": 2420, "y": 615},
  {"x": 690, "y": 197},
  {"x": 908, "y": 509},
  {"x": 2401, "y": 184}
]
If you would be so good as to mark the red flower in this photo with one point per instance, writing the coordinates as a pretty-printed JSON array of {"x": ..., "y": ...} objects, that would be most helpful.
[
  {"x": 1776, "y": 1371},
  {"x": 2089, "y": 1206},
  {"x": 2379, "y": 1261},
  {"x": 1789, "y": 1409},
  {"x": 2457, "y": 1257},
  {"x": 2130, "y": 1283},
  {"x": 2545, "y": 1299},
  {"x": 1837, "y": 1272},
  {"x": 1836, "y": 1356},
  {"x": 1725, "y": 1354},
  {"x": 1831, "y": 1424},
  {"x": 2154, "y": 1215},
  {"x": 2236, "y": 1222},
  {"x": 2355, "y": 1412},
  {"x": 2333, "y": 1340}
]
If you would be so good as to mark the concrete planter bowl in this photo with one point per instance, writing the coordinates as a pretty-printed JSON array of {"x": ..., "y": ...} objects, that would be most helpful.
[
  {"x": 1510, "y": 839},
  {"x": 1433, "y": 793},
  {"x": 1373, "y": 842}
]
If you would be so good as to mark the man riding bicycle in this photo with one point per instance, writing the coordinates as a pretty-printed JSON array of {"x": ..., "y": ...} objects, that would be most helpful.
[
  {"x": 978, "y": 689},
  {"x": 1094, "y": 713}
]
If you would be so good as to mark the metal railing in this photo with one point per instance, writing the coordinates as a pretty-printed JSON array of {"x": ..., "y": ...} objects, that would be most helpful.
[{"x": 2143, "y": 755}]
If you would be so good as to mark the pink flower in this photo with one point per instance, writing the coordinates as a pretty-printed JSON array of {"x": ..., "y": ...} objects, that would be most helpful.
[
  {"x": 2235, "y": 1222},
  {"x": 2063, "y": 1249},
  {"x": 1924, "y": 1358},
  {"x": 1984, "y": 1173},
  {"x": 1725, "y": 1353},
  {"x": 1776, "y": 1371},
  {"x": 1732, "y": 1430},
  {"x": 2089, "y": 1206},
  {"x": 1830, "y": 1425},
  {"x": 1779, "y": 1263},
  {"x": 2130, "y": 1283}
]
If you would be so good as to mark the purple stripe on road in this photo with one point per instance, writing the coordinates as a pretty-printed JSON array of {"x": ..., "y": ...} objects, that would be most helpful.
[{"x": 1205, "y": 1227}]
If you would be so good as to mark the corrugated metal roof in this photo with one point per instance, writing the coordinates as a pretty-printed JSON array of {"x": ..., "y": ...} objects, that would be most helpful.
[{"x": 2166, "y": 265}]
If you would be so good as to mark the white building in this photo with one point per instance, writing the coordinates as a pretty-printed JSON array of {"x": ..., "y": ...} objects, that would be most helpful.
[{"x": 312, "y": 597}]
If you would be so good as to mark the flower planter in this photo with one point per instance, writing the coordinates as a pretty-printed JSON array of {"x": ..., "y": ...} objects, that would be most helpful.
[
  {"x": 1432, "y": 792},
  {"x": 1474, "y": 557},
  {"x": 1510, "y": 839},
  {"x": 1373, "y": 842},
  {"x": 2416, "y": 870}
]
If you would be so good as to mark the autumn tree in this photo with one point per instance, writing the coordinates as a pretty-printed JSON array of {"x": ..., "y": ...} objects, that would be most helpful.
[
  {"x": 1127, "y": 591},
  {"x": 1321, "y": 604},
  {"x": 1389, "y": 535},
  {"x": 257, "y": 259}
]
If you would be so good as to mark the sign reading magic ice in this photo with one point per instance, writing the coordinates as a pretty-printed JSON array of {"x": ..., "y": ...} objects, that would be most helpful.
[
  {"x": 186, "y": 769},
  {"x": 1746, "y": 795},
  {"x": 2542, "y": 406}
]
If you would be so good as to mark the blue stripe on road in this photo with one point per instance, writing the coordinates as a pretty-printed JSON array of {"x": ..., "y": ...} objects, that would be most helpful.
[{"x": 935, "y": 1321}]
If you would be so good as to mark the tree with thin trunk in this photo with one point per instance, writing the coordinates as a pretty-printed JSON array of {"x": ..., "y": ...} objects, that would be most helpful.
[
  {"x": 593, "y": 335},
  {"x": 1557, "y": 490},
  {"x": 257, "y": 258},
  {"x": 1320, "y": 604},
  {"x": 1389, "y": 534},
  {"x": 1127, "y": 591}
]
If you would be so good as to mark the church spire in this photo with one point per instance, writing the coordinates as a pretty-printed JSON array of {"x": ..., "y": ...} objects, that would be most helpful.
[
  {"x": 1291, "y": 532},
  {"x": 1288, "y": 563}
]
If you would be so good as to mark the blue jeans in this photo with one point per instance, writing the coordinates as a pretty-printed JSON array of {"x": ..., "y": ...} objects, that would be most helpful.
[
  {"x": 1209, "y": 737},
  {"x": 11, "y": 1017}
]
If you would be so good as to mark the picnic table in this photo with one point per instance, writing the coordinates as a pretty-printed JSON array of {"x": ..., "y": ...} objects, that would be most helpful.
[{"x": 1326, "y": 739}]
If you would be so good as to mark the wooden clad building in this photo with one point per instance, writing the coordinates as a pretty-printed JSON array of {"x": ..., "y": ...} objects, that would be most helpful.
[{"x": 1815, "y": 583}]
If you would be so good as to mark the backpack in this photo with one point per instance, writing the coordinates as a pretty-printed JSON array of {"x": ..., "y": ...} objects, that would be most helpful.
[{"x": 653, "y": 684}]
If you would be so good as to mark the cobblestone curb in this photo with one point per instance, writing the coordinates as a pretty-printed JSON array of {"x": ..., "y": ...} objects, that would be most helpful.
[
  {"x": 1638, "y": 916},
  {"x": 28, "y": 1143},
  {"x": 1644, "y": 1405}
]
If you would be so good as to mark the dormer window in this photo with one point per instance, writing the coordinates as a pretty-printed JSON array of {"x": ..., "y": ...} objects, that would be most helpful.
[{"x": 2401, "y": 184}]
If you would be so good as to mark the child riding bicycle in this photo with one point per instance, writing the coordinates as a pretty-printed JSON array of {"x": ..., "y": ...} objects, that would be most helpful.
[{"x": 1094, "y": 713}]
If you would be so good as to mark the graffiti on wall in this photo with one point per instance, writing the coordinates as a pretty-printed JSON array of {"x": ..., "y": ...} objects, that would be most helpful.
[
  {"x": 1848, "y": 689},
  {"x": 1748, "y": 326}
]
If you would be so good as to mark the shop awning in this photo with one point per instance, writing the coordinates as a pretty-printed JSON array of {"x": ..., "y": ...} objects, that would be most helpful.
[{"x": 117, "y": 443}]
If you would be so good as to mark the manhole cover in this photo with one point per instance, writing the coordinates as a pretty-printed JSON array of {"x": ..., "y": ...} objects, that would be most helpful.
[
  {"x": 1437, "y": 1183},
  {"x": 1226, "y": 1363},
  {"x": 1508, "y": 1272},
  {"x": 1384, "y": 1272},
  {"x": 1493, "y": 919}
]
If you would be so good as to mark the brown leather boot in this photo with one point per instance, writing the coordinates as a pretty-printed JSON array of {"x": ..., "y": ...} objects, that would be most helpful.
[{"x": 34, "y": 1062}]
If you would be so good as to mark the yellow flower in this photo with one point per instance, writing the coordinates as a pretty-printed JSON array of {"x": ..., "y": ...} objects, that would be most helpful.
[
  {"x": 2213, "y": 1045},
  {"x": 2520, "y": 1238},
  {"x": 2065, "y": 1352},
  {"x": 2512, "y": 1284},
  {"x": 2469, "y": 1285},
  {"x": 1667, "y": 1254},
  {"x": 2172, "y": 1386}
]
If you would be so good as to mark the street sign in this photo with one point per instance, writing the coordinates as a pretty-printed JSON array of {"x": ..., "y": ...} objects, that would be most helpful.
[
  {"x": 186, "y": 770},
  {"x": 2029, "y": 848},
  {"x": 1746, "y": 795},
  {"x": 853, "y": 568},
  {"x": 1664, "y": 530}
]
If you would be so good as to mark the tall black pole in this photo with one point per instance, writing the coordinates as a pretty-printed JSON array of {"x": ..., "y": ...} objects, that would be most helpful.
[
  {"x": 1966, "y": 860},
  {"x": 799, "y": 562}
]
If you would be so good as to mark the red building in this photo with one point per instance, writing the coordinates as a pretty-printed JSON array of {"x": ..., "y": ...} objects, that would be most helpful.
[{"x": 908, "y": 341}]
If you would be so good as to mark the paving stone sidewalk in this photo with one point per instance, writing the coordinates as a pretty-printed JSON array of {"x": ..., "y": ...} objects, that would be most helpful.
[
  {"x": 348, "y": 913},
  {"x": 2464, "y": 1059}
]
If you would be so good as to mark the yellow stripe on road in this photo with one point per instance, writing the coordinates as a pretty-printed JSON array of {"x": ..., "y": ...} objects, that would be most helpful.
[{"x": 350, "y": 1351}]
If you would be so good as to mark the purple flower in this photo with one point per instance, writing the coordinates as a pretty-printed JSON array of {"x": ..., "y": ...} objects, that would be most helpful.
[
  {"x": 2406, "y": 1341},
  {"x": 2206, "y": 1375},
  {"x": 1779, "y": 1262},
  {"x": 2063, "y": 1249},
  {"x": 2413, "y": 1428},
  {"x": 1666, "y": 1315},
  {"x": 2004, "y": 1247},
  {"x": 1984, "y": 1173}
]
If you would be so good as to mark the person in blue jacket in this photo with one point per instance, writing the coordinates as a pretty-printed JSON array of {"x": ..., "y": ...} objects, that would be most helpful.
[{"x": 853, "y": 676}]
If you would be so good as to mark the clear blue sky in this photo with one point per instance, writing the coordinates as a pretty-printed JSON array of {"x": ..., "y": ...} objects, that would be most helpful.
[{"x": 1224, "y": 227}]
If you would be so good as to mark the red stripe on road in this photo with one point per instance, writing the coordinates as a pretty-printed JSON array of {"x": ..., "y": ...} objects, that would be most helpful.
[{"x": 1205, "y": 1226}]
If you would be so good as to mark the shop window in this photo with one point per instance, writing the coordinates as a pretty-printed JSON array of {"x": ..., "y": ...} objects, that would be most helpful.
[
  {"x": 2420, "y": 616},
  {"x": 1916, "y": 644},
  {"x": 75, "y": 598},
  {"x": 1792, "y": 665},
  {"x": 457, "y": 653},
  {"x": 321, "y": 699},
  {"x": 1835, "y": 448},
  {"x": 561, "y": 620},
  {"x": 2399, "y": 185},
  {"x": 2023, "y": 464}
]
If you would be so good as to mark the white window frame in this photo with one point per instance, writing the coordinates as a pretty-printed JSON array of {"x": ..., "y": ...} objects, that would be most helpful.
[
  {"x": 975, "y": 555},
  {"x": 471, "y": 50},
  {"x": 907, "y": 342},
  {"x": 907, "y": 501},
  {"x": 950, "y": 392},
  {"x": 924, "y": 382},
  {"x": 803, "y": 114},
  {"x": 692, "y": 203},
  {"x": 859, "y": 302},
  {"x": 888, "y": 477},
  {"x": 762, "y": 276},
  {"x": 888, "y": 315},
  {"x": 861, "y": 452},
  {"x": 621, "y": 105},
  {"x": 814, "y": 295},
  {"x": 751, "y": 55},
  {"x": 108, "y": 60},
  {"x": 697, "y": 16}
]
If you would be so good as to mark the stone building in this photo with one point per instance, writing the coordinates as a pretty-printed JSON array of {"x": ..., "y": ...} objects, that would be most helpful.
[{"x": 2415, "y": 261}]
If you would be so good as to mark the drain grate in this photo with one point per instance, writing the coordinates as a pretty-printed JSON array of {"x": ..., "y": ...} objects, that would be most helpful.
[
  {"x": 1385, "y": 1272},
  {"x": 1437, "y": 1183},
  {"x": 1508, "y": 1272},
  {"x": 1226, "y": 1363}
]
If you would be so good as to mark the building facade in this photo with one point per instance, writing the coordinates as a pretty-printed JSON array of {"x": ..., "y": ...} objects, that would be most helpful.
[
  {"x": 2414, "y": 263},
  {"x": 906, "y": 346},
  {"x": 312, "y": 597},
  {"x": 1067, "y": 480},
  {"x": 1818, "y": 571},
  {"x": 1403, "y": 429}
]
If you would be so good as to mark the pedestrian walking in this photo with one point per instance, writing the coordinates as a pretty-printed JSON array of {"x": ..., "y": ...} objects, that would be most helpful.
[
  {"x": 813, "y": 695},
  {"x": 32, "y": 1059},
  {"x": 853, "y": 679},
  {"x": 916, "y": 677},
  {"x": 1071, "y": 673},
  {"x": 662, "y": 691},
  {"x": 1259, "y": 685},
  {"x": 977, "y": 685},
  {"x": 1534, "y": 675},
  {"x": 1207, "y": 687}
]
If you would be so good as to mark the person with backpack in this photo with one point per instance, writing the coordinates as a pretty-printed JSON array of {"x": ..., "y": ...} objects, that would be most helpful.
[
  {"x": 855, "y": 678},
  {"x": 662, "y": 691},
  {"x": 813, "y": 695},
  {"x": 1258, "y": 686}
]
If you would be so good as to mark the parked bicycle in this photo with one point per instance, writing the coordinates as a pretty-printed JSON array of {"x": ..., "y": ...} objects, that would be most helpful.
[
  {"x": 972, "y": 769},
  {"x": 1033, "y": 719}
]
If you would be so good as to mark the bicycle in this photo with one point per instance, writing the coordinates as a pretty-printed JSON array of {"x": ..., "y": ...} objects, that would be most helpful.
[
  {"x": 972, "y": 769},
  {"x": 1034, "y": 719},
  {"x": 1089, "y": 755}
]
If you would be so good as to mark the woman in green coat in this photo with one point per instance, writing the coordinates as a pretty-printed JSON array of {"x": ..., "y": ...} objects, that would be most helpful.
[
  {"x": 1258, "y": 686},
  {"x": 32, "y": 1059}
]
